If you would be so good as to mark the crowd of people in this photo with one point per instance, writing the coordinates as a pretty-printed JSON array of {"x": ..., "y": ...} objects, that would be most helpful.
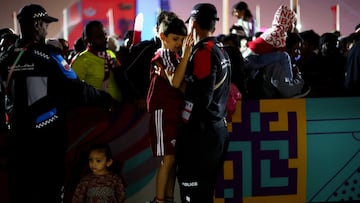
[{"x": 183, "y": 77}]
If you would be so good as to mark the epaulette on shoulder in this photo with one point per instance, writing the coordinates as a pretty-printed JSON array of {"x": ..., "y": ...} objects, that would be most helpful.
[{"x": 42, "y": 54}]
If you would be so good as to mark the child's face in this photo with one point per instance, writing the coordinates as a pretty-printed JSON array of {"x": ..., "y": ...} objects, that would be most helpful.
[
  {"x": 173, "y": 42},
  {"x": 98, "y": 162},
  {"x": 238, "y": 13}
]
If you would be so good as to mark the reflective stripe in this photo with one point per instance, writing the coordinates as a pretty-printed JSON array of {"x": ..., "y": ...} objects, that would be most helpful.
[
  {"x": 46, "y": 118},
  {"x": 159, "y": 132}
]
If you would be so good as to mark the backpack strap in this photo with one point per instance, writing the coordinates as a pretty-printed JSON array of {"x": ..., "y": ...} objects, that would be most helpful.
[
  {"x": 13, "y": 66},
  {"x": 224, "y": 58},
  {"x": 217, "y": 85}
]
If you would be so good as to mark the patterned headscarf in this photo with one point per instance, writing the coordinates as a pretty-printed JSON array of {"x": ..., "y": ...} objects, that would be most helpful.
[
  {"x": 109, "y": 65},
  {"x": 284, "y": 18}
]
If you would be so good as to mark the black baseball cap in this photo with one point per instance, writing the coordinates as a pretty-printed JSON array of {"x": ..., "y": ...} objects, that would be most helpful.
[
  {"x": 203, "y": 11},
  {"x": 33, "y": 12}
]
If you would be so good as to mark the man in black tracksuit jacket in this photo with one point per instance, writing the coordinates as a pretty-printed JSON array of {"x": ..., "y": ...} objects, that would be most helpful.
[
  {"x": 203, "y": 138},
  {"x": 41, "y": 87}
]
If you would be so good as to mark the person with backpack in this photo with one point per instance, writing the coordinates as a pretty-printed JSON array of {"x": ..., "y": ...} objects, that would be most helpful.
[{"x": 136, "y": 67}]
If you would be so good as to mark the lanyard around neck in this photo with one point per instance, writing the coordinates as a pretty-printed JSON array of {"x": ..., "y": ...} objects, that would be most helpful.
[{"x": 16, "y": 62}]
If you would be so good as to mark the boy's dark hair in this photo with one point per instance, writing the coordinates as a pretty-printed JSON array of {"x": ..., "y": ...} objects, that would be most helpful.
[
  {"x": 292, "y": 39},
  {"x": 328, "y": 37},
  {"x": 164, "y": 15},
  {"x": 173, "y": 26},
  {"x": 233, "y": 39},
  {"x": 311, "y": 37},
  {"x": 102, "y": 147}
]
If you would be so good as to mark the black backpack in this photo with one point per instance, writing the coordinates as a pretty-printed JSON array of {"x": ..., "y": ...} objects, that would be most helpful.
[{"x": 136, "y": 69}]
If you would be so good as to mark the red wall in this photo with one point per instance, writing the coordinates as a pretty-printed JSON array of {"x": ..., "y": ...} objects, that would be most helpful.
[{"x": 83, "y": 11}]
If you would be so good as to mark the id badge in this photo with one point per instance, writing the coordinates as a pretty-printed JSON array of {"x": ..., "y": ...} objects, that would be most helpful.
[{"x": 186, "y": 113}]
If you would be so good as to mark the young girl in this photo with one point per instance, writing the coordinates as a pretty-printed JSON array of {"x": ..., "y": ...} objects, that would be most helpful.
[
  {"x": 245, "y": 19},
  {"x": 101, "y": 185},
  {"x": 165, "y": 101}
]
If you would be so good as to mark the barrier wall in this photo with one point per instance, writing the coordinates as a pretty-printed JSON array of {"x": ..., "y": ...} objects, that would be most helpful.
[
  {"x": 286, "y": 150},
  {"x": 293, "y": 150}
]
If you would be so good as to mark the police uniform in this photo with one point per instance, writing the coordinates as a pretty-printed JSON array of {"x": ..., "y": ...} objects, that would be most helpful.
[
  {"x": 203, "y": 137},
  {"x": 41, "y": 87}
]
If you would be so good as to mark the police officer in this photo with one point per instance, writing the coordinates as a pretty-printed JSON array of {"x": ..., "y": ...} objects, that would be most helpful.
[
  {"x": 203, "y": 138},
  {"x": 42, "y": 87}
]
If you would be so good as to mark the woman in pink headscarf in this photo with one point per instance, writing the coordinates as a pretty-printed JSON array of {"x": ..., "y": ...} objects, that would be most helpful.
[
  {"x": 270, "y": 48},
  {"x": 274, "y": 38}
]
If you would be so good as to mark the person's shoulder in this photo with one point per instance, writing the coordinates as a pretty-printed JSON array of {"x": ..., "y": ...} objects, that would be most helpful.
[
  {"x": 205, "y": 44},
  {"x": 89, "y": 175},
  {"x": 114, "y": 177},
  {"x": 83, "y": 56},
  {"x": 42, "y": 51},
  {"x": 85, "y": 53},
  {"x": 157, "y": 54},
  {"x": 356, "y": 46},
  {"x": 151, "y": 43},
  {"x": 46, "y": 48},
  {"x": 5, "y": 55},
  {"x": 112, "y": 174}
]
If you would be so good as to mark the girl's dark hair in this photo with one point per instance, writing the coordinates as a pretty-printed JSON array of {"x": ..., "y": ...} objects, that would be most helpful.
[
  {"x": 243, "y": 6},
  {"x": 174, "y": 26},
  {"x": 102, "y": 147}
]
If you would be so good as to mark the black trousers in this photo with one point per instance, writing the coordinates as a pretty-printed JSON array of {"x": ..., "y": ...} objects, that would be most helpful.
[
  {"x": 36, "y": 168},
  {"x": 201, "y": 150}
]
